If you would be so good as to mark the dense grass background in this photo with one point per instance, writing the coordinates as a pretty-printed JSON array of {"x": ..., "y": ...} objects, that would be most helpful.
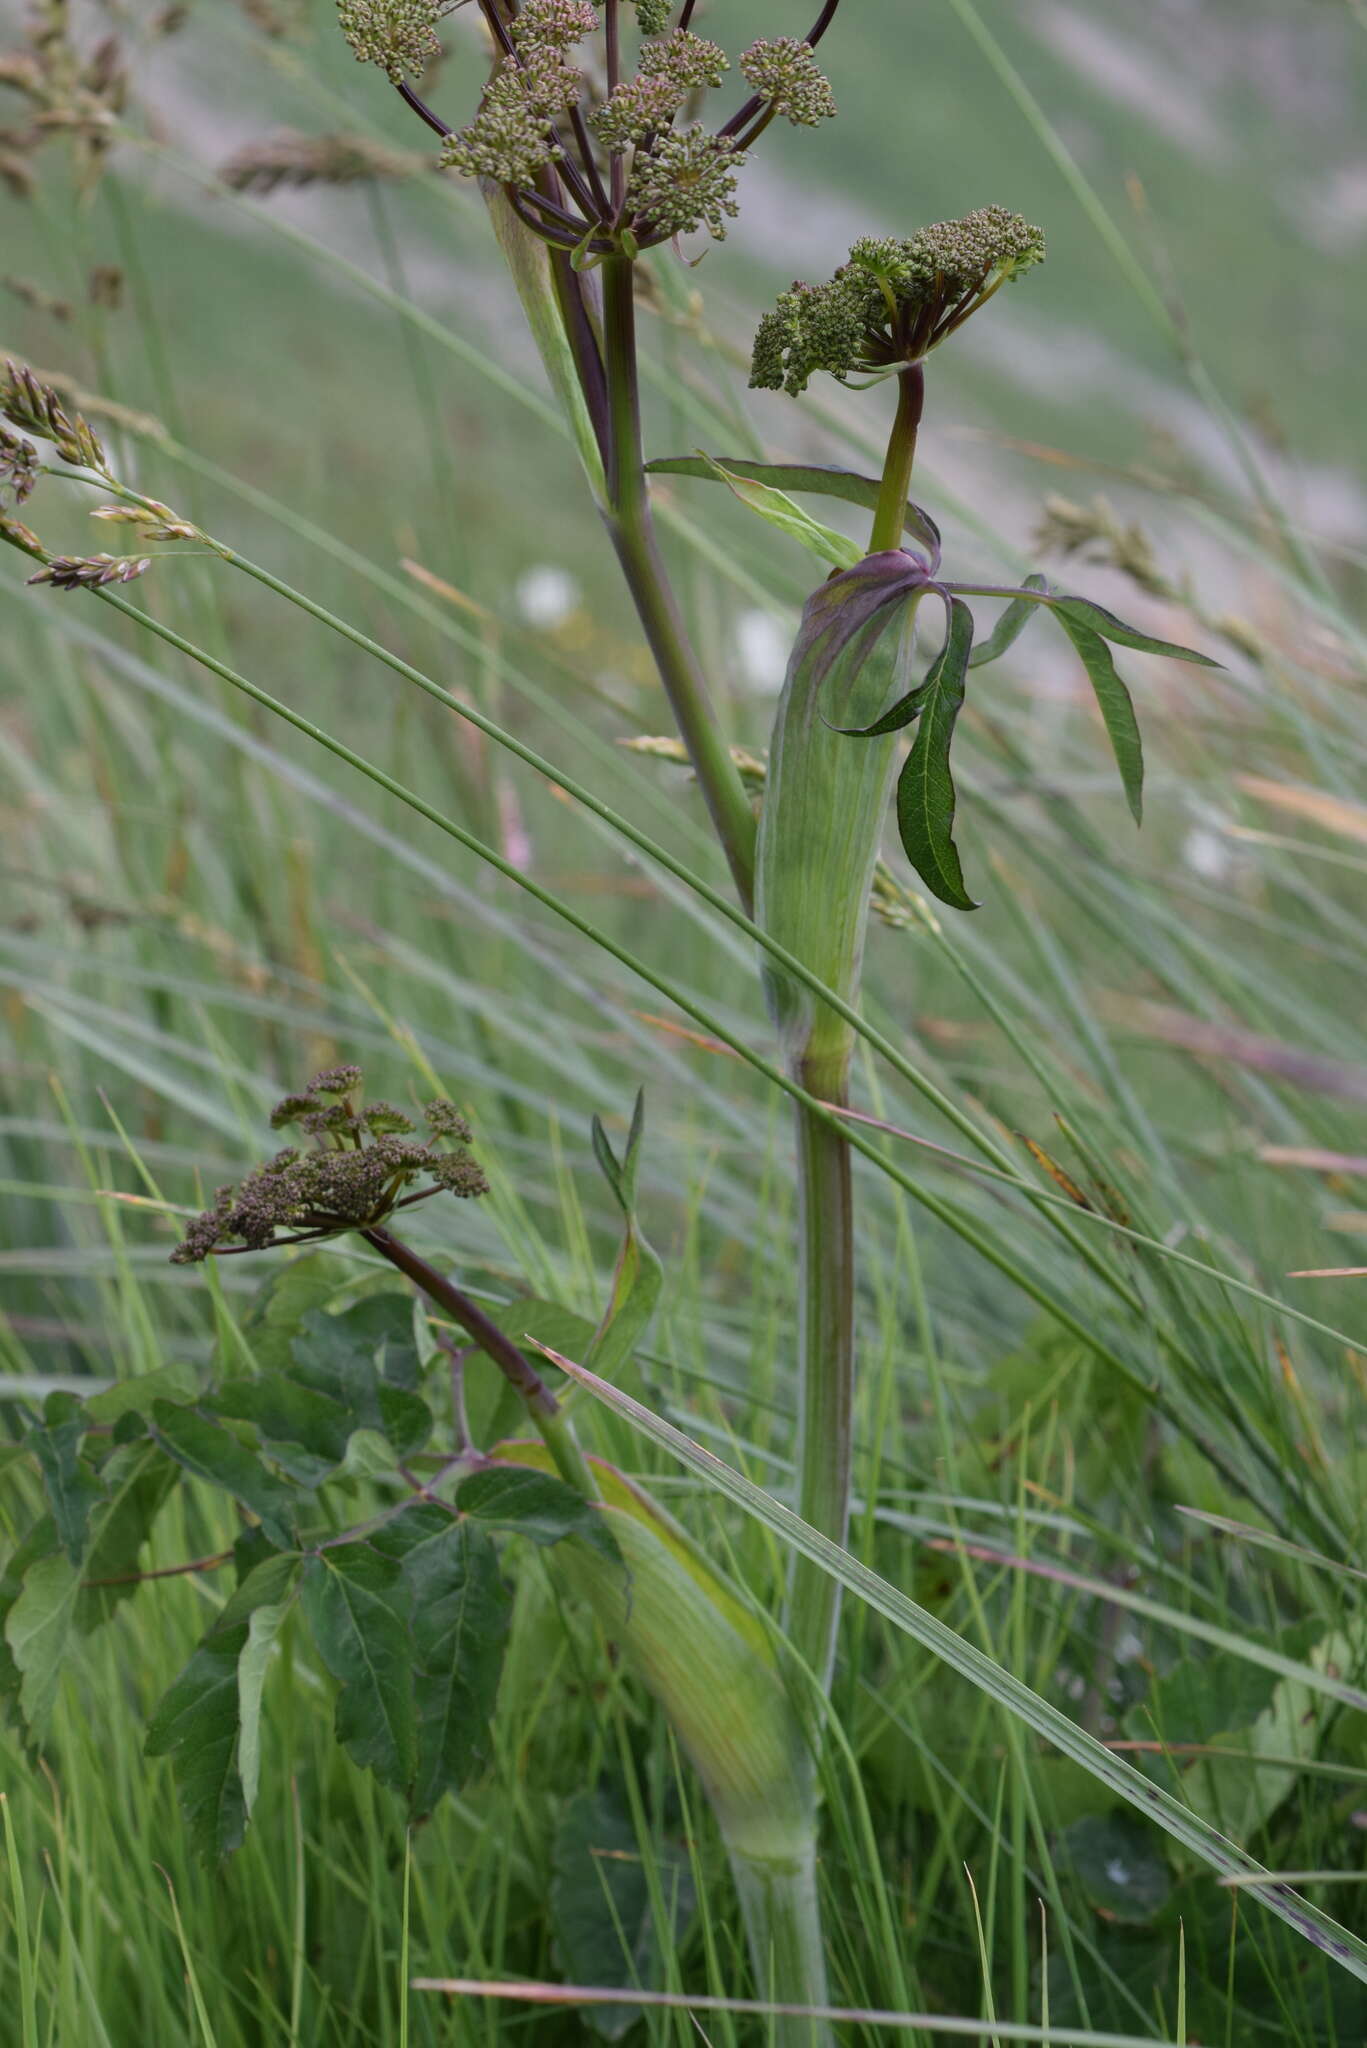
[{"x": 199, "y": 907}]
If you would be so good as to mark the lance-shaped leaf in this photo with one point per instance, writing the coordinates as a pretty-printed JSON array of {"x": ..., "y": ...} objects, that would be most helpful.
[
  {"x": 813, "y": 478},
  {"x": 461, "y": 1613},
  {"x": 215, "y": 1454},
  {"x": 1010, "y": 625},
  {"x": 208, "y": 1722},
  {"x": 359, "y": 1607},
  {"x": 1116, "y": 704},
  {"x": 1111, "y": 628},
  {"x": 778, "y": 510},
  {"x": 925, "y": 789},
  {"x": 71, "y": 1487},
  {"x": 639, "y": 1275}
]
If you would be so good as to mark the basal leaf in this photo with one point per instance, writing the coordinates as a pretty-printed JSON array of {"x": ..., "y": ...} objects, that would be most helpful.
[
  {"x": 359, "y": 1605},
  {"x": 925, "y": 788},
  {"x": 1009, "y": 626},
  {"x": 461, "y": 1614},
  {"x": 812, "y": 478},
  {"x": 778, "y": 509},
  {"x": 1118, "y": 1866},
  {"x": 1117, "y": 706},
  {"x": 533, "y": 1504},
  {"x": 41, "y": 1541},
  {"x": 1110, "y": 627},
  {"x": 215, "y": 1454},
  {"x": 71, "y": 1487},
  {"x": 39, "y": 1632}
]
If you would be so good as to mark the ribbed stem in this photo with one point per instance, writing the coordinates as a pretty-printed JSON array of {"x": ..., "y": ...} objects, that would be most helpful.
[
  {"x": 633, "y": 536},
  {"x": 892, "y": 498},
  {"x": 782, "y": 1917}
]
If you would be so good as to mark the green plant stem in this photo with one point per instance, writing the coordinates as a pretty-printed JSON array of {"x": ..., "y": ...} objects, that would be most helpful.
[
  {"x": 782, "y": 1914},
  {"x": 633, "y": 536},
  {"x": 891, "y": 514},
  {"x": 554, "y": 1426},
  {"x": 823, "y": 818}
]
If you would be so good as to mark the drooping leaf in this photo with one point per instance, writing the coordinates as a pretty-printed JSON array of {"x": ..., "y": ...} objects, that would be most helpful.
[
  {"x": 602, "y": 1909},
  {"x": 778, "y": 510},
  {"x": 461, "y": 1614},
  {"x": 1114, "y": 700},
  {"x": 71, "y": 1487},
  {"x": 137, "y": 1479},
  {"x": 925, "y": 789},
  {"x": 39, "y": 1631},
  {"x": 1086, "y": 613},
  {"x": 811, "y": 478},
  {"x": 533, "y": 1504},
  {"x": 359, "y": 1605},
  {"x": 215, "y": 1454},
  {"x": 1009, "y": 626},
  {"x": 199, "y": 1723}
]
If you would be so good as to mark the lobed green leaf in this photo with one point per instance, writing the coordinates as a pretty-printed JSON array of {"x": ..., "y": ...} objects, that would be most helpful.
[{"x": 359, "y": 1606}]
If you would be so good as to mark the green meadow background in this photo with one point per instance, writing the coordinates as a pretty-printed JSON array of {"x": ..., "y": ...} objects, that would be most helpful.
[{"x": 197, "y": 907}]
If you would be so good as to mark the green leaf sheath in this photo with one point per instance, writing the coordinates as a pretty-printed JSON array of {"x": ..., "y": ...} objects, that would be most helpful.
[
  {"x": 1116, "y": 704},
  {"x": 925, "y": 789},
  {"x": 359, "y": 1606}
]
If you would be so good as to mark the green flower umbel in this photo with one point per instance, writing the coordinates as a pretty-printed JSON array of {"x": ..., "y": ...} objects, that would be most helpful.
[{"x": 893, "y": 301}]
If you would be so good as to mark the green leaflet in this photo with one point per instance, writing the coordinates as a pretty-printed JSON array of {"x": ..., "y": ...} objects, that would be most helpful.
[
  {"x": 461, "y": 1614},
  {"x": 820, "y": 481},
  {"x": 639, "y": 1274},
  {"x": 925, "y": 788},
  {"x": 534, "y": 1504},
  {"x": 208, "y": 1722},
  {"x": 215, "y": 1454},
  {"x": 359, "y": 1606},
  {"x": 778, "y": 509},
  {"x": 39, "y": 1631},
  {"x": 71, "y": 1487},
  {"x": 137, "y": 1479},
  {"x": 1116, "y": 704},
  {"x": 1009, "y": 626},
  {"x": 135, "y": 1396},
  {"x": 365, "y": 1360},
  {"x": 1111, "y": 628}
]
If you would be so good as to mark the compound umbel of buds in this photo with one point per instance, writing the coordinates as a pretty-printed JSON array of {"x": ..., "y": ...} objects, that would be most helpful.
[{"x": 594, "y": 157}]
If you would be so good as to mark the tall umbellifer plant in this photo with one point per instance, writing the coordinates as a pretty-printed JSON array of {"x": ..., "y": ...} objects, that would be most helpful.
[{"x": 592, "y": 145}]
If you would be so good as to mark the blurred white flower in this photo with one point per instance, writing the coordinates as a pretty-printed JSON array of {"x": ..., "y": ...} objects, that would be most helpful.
[{"x": 546, "y": 596}]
